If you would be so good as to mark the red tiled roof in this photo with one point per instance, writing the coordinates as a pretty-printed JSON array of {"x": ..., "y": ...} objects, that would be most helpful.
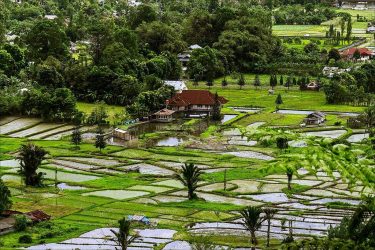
[
  {"x": 362, "y": 51},
  {"x": 194, "y": 97},
  {"x": 38, "y": 215},
  {"x": 7, "y": 213}
]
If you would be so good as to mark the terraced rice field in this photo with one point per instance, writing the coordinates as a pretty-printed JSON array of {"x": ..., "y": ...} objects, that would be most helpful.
[
  {"x": 53, "y": 132},
  {"x": 18, "y": 124},
  {"x": 95, "y": 189},
  {"x": 37, "y": 129}
]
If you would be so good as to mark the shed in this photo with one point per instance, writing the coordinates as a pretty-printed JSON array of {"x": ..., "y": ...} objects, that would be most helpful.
[
  {"x": 177, "y": 85},
  {"x": 315, "y": 118},
  {"x": 37, "y": 216},
  {"x": 121, "y": 134},
  {"x": 164, "y": 115},
  {"x": 312, "y": 86}
]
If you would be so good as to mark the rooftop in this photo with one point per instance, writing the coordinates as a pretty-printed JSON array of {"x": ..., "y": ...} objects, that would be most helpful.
[{"x": 195, "y": 97}]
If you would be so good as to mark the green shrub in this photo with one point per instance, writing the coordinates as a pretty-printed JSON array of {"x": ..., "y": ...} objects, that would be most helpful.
[
  {"x": 21, "y": 223},
  {"x": 25, "y": 239}
]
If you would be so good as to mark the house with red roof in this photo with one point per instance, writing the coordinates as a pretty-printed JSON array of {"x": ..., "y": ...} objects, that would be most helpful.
[
  {"x": 365, "y": 54},
  {"x": 194, "y": 102}
]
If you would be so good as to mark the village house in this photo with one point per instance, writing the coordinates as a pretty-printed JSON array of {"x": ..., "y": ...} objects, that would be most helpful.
[
  {"x": 164, "y": 115},
  {"x": 315, "y": 118},
  {"x": 331, "y": 71},
  {"x": 8, "y": 221},
  {"x": 184, "y": 57},
  {"x": 178, "y": 86},
  {"x": 194, "y": 102},
  {"x": 365, "y": 54}
]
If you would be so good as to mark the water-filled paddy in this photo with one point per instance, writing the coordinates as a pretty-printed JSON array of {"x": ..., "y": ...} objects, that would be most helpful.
[
  {"x": 251, "y": 154},
  {"x": 18, "y": 124},
  {"x": 170, "y": 142},
  {"x": 117, "y": 194},
  {"x": 327, "y": 134}
]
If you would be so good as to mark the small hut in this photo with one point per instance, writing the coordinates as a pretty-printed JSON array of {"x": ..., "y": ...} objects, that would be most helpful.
[
  {"x": 164, "y": 115},
  {"x": 315, "y": 118},
  {"x": 121, "y": 134}
]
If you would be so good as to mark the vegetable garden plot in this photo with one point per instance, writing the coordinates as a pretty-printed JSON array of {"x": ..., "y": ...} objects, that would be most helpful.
[
  {"x": 18, "y": 124},
  {"x": 39, "y": 128}
]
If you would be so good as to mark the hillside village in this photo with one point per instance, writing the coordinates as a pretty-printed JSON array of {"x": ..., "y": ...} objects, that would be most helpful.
[{"x": 186, "y": 125}]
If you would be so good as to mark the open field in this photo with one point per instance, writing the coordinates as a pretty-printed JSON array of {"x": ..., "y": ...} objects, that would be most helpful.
[
  {"x": 97, "y": 188},
  {"x": 293, "y": 99},
  {"x": 299, "y": 30},
  {"x": 112, "y": 110}
]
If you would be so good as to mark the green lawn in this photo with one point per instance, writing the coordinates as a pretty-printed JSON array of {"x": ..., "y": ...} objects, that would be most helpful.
[
  {"x": 293, "y": 99},
  {"x": 369, "y": 14},
  {"x": 87, "y": 108},
  {"x": 304, "y": 42},
  {"x": 299, "y": 30}
]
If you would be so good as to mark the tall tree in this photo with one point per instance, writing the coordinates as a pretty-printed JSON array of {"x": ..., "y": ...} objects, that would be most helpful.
[
  {"x": 252, "y": 222},
  {"x": 46, "y": 38},
  {"x": 5, "y": 201},
  {"x": 256, "y": 81},
  {"x": 31, "y": 157},
  {"x": 76, "y": 136},
  {"x": 289, "y": 174},
  {"x": 278, "y": 101},
  {"x": 269, "y": 213},
  {"x": 100, "y": 142},
  {"x": 349, "y": 29},
  {"x": 189, "y": 177},
  {"x": 122, "y": 236},
  {"x": 216, "y": 115},
  {"x": 241, "y": 81}
]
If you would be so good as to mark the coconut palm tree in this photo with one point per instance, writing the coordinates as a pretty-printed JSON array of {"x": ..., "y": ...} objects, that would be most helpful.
[
  {"x": 31, "y": 157},
  {"x": 252, "y": 221},
  {"x": 269, "y": 213},
  {"x": 289, "y": 173},
  {"x": 123, "y": 237},
  {"x": 189, "y": 177}
]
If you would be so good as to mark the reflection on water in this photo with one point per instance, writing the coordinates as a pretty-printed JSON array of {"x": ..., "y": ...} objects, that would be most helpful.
[
  {"x": 170, "y": 142},
  {"x": 227, "y": 118}
]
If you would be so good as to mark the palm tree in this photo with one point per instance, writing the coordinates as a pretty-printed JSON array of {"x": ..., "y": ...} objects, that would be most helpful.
[
  {"x": 123, "y": 237},
  {"x": 31, "y": 157},
  {"x": 289, "y": 173},
  {"x": 268, "y": 215},
  {"x": 190, "y": 177},
  {"x": 252, "y": 221}
]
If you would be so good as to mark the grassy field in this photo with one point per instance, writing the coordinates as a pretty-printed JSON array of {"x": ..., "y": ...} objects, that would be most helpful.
[
  {"x": 304, "y": 42},
  {"x": 292, "y": 99},
  {"x": 369, "y": 14},
  {"x": 112, "y": 110},
  {"x": 298, "y": 30}
]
